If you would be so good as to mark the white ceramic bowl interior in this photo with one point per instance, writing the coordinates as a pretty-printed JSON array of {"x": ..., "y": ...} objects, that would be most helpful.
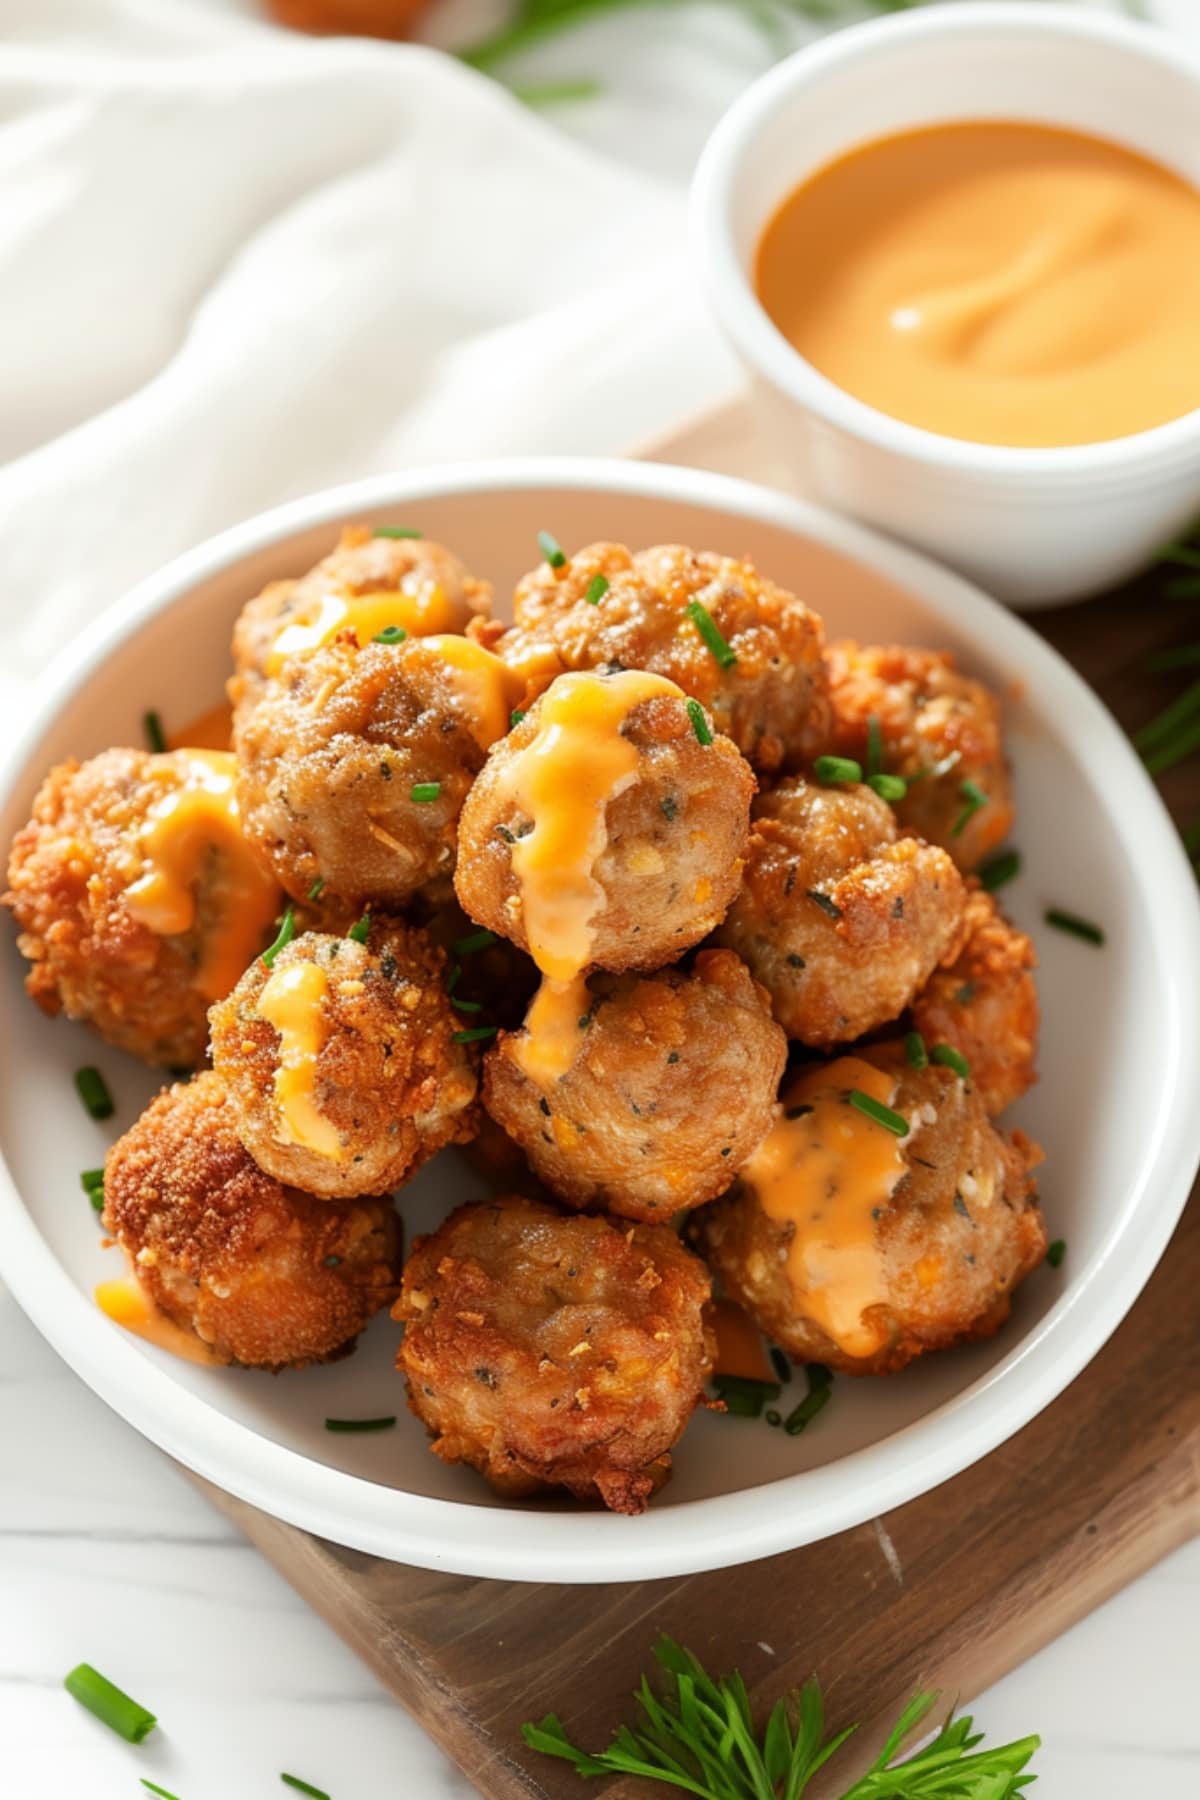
[
  {"x": 1115, "y": 1108},
  {"x": 1034, "y": 526}
]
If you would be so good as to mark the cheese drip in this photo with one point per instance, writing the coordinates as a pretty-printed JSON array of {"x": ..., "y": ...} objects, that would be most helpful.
[
  {"x": 193, "y": 834},
  {"x": 826, "y": 1171},
  {"x": 564, "y": 781},
  {"x": 485, "y": 689},
  {"x": 419, "y": 609},
  {"x": 126, "y": 1302},
  {"x": 293, "y": 1002}
]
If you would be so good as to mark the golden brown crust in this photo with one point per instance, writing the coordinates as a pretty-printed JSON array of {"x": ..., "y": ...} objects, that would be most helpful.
[
  {"x": 68, "y": 872},
  {"x": 672, "y": 1088},
  {"x": 984, "y": 1003},
  {"x": 390, "y": 1077},
  {"x": 772, "y": 702},
  {"x": 676, "y": 836},
  {"x": 839, "y": 917},
  {"x": 962, "y": 1229},
  {"x": 554, "y": 1352},
  {"x": 936, "y": 725},
  {"x": 263, "y": 1274}
]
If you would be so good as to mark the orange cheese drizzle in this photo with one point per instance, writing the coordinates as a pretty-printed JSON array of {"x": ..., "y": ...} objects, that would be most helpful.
[
  {"x": 826, "y": 1172},
  {"x": 212, "y": 730},
  {"x": 419, "y": 610},
  {"x": 740, "y": 1349},
  {"x": 126, "y": 1302},
  {"x": 197, "y": 814},
  {"x": 293, "y": 1002},
  {"x": 485, "y": 688}
]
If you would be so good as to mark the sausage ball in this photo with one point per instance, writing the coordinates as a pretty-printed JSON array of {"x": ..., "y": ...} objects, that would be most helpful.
[
  {"x": 938, "y": 729},
  {"x": 555, "y": 1352},
  {"x": 772, "y": 700},
  {"x": 984, "y": 1004},
  {"x": 262, "y": 1274},
  {"x": 366, "y": 585},
  {"x": 672, "y": 1086},
  {"x": 354, "y": 764},
  {"x": 138, "y": 898},
  {"x": 860, "y": 1249},
  {"x": 340, "y": 1061},
  {"x": 650, "y": 820},
  {"x": 839, "y": 917}
]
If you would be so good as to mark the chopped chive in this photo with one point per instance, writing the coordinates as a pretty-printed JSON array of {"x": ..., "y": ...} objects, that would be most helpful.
[
  {"x": 874, "y": 747},
  {"x": 1072, "y": 923},
  {"x": 153, "y": 1788},
  {"x": 975, "y": 798},
  {"x": 455, "y": 977},
  {"x": 423, "y": 792},
  {"x": 707, "y": 626},
  {"x": 93, "y": 1091},
  {"x": 597, "y": 587},
  {"x": 90, "y": 1179},
  {"x": 882, "y": 1115},
  {"x": 555, "y": 93},
  {"x": 396, "y": 531},
  {"x": 391, "y": 634},
  {"x": 1183, "y": 656},
  {"x": 361, "y": 931},
  {"x": 1174, "y": 748},
  {"x": 819, "y": 1391},
  {"x": 1000, "y": 870},
  {"x": 1056, "y": 1251},
  {"x": 950, "y": 1058},
  {"x": 781, "y": 1363},
  {"x": 1186, "y": 555},
  {"x": 360, "y": 1424},
  {"x": 551, "y": 549},
  {"x": 109, "y": 1704},
  {"x": 475, "y": 1035},
  {"x": 824, "y": 902},
  {"x": 772, "y": 1416},
  {"x": 695, "y": 713},
  {"x": 514, "y": 718},
  {"x": 829, "y": 769},
  {"x": 467, "y": 1006},
  {"x": 744, "y": 1397},
  {"x": 304, "y": 1787},
  {"x": 475, "y": 940},
  {"x": 156, "y": 737},
  {"x": 1186, "y": 587},
  {"x": 287, "y": 931},
  {"x": 891, "y": 788},
  {"x": 1170, "y": 719},
  {"x": 915, "y": 1051},
  {"x": 317, "y": 888}
]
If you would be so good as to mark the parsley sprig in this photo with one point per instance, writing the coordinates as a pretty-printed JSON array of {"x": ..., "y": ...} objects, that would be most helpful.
[{"x": 699, "y": 1735}]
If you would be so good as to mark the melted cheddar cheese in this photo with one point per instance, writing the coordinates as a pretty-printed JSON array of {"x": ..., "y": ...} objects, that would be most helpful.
[
  {"x": 126, "y": 1302},
  {"x": 293, "y": 1002},
  {"x": 419, "y": 609}
]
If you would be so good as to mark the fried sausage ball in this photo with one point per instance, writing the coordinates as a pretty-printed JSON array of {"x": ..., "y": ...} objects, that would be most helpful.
[
  {"x": 366, "y": 585},
  {"x": 772, "y": 700},
  {"x": 672, "y": 1086},
  {"x": 94, "y": 917},
  {"x": 330, "y": 756},
  {"x": 985, "y": 1005},
  {"x": 262, "y": 1274},
  {"x": 340, "y": 1061},
  {"x": 554, "y": 1352},
  {"x": 666, "y": 857},
  {"x": 861, "y": 1250},
  {"x": 938, "y": 729},
  {"x": 839, "y": 917}
]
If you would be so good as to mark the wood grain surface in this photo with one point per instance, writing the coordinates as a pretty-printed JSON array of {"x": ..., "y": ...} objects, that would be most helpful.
[{"x": 950, "y": 1591}]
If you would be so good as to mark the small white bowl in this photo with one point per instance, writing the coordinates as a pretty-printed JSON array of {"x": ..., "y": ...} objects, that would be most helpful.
[
  {"x": 1115, "y": 1108},
  {"x": 1033, "y": 525}
]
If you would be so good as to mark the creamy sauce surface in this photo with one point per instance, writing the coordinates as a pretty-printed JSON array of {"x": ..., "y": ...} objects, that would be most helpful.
[{"x": 293, "y": 1001}]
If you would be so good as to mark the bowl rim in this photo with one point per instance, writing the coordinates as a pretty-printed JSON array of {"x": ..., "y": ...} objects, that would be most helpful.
[
  {"x": 721, "y": 1530},
  {"x": 731, "y": 293}
]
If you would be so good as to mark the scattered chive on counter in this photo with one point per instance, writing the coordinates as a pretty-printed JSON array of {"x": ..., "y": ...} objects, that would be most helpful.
[
  {"x": 915, "y": 1051},
  {"x": 1074, "y": 925},
  {"x": 287, "y": 931},
  {"x": 152, "y": 1787},
  {"x": 380, "y": 1424},
  {"x": 475, "y": 940},
  {"x": 475, "y": 1035},
  {"x": 108, "y": 1704},
  {"x": 391, "y": 634},
  {"x": 950, "y": 1058},
  {"x": 424, "y": 792},
  {"x": 156, "y": 737},
  {"x": 552, "y": 550},
  {"x": 396, "y": 531},
  {"x": 707, "y": 626},
  {"x": 999, "y": 870},
  {"x": 92, "y": 1089},
  {"x": 695, "y": 713},
  {"x": 1055, "y": 1252},
  {"x": 304, "y": 1787},
  {"x": 829, "y": 769},
  {"x": 361, "y": 931},
  {"x": 975, "y": 798},
  {"x": 597, "y": 587},
  {"x": 882, "y": 1115}
]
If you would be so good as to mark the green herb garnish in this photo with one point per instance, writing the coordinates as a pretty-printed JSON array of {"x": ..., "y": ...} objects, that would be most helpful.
[
  {"x": 874, "y": 747},
  {"x": 1072, "y": 923},
  {"x": 425, "y": 792},
  {"x": 744, "y": 1396},
  {"x": 555, "y": 93},
  {"x": 707, "y": 626},
  {"x": 361, "y": 931},
  {"x": 1055, "y": 1252},
  {"x": 287, "y": 931},
  {"x": 360, "y": 1424},
  {"x": 475, "y": 1035},
  {"x": 475, "y": 940},
  {"x": 781, "y": 1363},
  {"x": 695, "y": 713},
  {"x": 109, "y": 1704},
  {"x": 514, "y": 718},
  {"x": 396, "y": 531},
  {"x": 950, "y": 1058},
  {"x": 304, "y": 1787},
  {"x": 915, "y": 1051},
  {"x": 829, "y": 769},
  {"x": 975, "y": 799},
  {"x": 597, "y": 587},
  {"x": 820, "y": 1392},
  {"x": 153, "y": 1788},
  {"x": 93, "y": 1091},
  {"x": 391, "y": 634},
  {"x": 699, "y": 1734},
  {"x": 552, "y": 550},
  {"x": 1000, "y": 870},
  {"x": 882, "y": 1115},
  {"x": 317, "y": 888},
  {"x": 92, "y": 1183},
  {"x": 891, "y": 788},
  {"x": 156, "y": 737}
]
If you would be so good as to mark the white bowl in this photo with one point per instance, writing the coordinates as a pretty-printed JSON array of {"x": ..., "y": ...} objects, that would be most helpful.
[
  {"x": 1035, "y": 526},
  {"x": 1115, "y": 1108}
]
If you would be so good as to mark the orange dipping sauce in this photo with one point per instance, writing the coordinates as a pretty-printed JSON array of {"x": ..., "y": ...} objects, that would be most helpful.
[{"x": 997, "y": 282}]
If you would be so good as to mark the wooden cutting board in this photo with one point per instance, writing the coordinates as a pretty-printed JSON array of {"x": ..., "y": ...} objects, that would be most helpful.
[{"x": 950, "y": 1591}]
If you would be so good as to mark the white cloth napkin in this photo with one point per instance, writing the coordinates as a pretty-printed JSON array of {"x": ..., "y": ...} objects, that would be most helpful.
[{"x": 237, "y": 265}]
